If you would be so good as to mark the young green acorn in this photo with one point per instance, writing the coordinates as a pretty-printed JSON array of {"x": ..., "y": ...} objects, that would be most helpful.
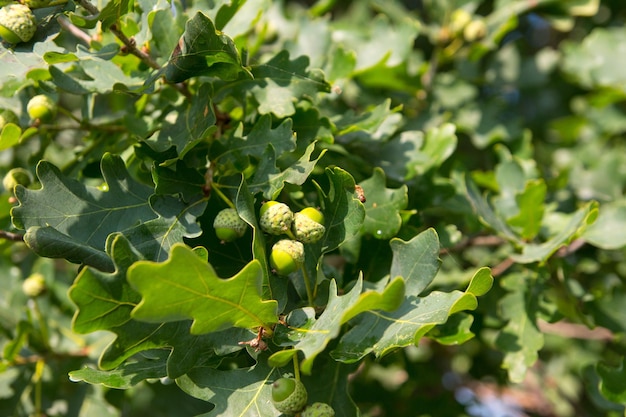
[
  {"x": 15, "y": 177},
  {"x": 17, "y": 23},
  {"x": 34, "y": 285},
  {"x": 287, "y": 256},
  {"x": 318, "y": 410},
  {"x": 308, "y": 225},
  {"x": 228, "y": 225},
  {"x": 289, "y": 395},
  {"x": 275, "y": 218},
  {"x": 41, "y": 107}
]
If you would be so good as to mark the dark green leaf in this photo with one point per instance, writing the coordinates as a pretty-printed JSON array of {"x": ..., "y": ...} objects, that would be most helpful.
[
  {"x": 81, "y": 215},
  {"x": 203, "y": 50},
  {"x": 382, "y": 206}
]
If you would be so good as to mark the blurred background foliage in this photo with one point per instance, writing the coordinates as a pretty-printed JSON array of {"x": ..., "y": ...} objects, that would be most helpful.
[{"x": 535, "y": 92}]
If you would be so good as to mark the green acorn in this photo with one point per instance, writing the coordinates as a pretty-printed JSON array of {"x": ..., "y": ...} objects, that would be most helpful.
[
  {"x": 275, "y": 217},
  {"x": 41, "y": 107},
  {"x": 17, "y": 23},
  {"x": 289, "y": 396},
  {"x": 6, "y": 117},
  {"x": 287, "y": 256},
  {"x": 16, "y": 176},
  {"x": 318, "y": 410},
  {"x": 228, "y": 225},
  {"x": 307, "y": 225},
  {"x": 34, "y": 285}
]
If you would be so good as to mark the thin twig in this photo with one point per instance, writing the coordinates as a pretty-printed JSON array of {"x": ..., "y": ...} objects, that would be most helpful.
[
  {"x": 15, "y": 237},
  {"x": 504, "y": 265},
  {"x": 74, "y": 30},
  {"x": 489, "y": 240},
  {"x": 575, "y": 331},
  {"x": 131, "y": 47}
]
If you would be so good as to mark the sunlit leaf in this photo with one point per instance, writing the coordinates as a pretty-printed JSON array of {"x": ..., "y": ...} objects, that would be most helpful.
[{"x": 186, "y": 287}]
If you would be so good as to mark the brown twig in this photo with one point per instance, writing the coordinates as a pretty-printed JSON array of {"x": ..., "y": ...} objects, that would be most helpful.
[
  {"x": 489, "y": 240},
  {"x": 130, "y": 46},
  {"x": 575, "y": 331},
  {"x": 15, "y": 237},
  {"x": 74, "y": 30},
  {"x": 504, "y": 265}
]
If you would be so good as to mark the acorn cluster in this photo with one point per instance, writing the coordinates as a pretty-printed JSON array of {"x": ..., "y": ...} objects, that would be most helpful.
[
  {"x": 305, "y": 226},
  {"x": 289, "y": 396},
  {"x": 276, "y": 218}
]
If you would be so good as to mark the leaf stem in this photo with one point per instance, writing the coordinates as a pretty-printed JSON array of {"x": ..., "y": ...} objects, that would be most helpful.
[
  {"x": 223, "y": 196},
  {"x": 37, "y": 379},
  {"x": 309, "y": 292},
  {"x": 15, "y": 237},
  {"x": 296, "y": 367}
]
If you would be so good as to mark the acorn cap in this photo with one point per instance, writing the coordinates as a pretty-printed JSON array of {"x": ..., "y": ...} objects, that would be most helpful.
[
  {"x": 17, "y": 23},
  {"x": 275, "y": 217},
  {"x": 289, "y": 396},
  {"x": 228, "y": 225},
  {"x": 307, "y": 230},
  {"x": 318, "y": 410}
]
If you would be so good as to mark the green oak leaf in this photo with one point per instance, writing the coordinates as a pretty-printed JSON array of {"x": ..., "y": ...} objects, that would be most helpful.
[
  {"x": 10, "y": 136},
  {"x": 582, "y": 59},
  {"x": 234, "y": 149},
  {"x": 531, "y": 209},
  {"x": 520, "y": 339},
  {"x": 510, "y": 182},
  {"x": 343, "y": 211},
  {"x": 278, "y": 84},
  {"x": 414, "y": 153},
  {"x": 270, "y": 180},
  {"x": 455, "y": 331},
  {"x": 186, "y": 287},
  {"x": 103, "y": 75},
  {"x": 83, "y": 216},
  {"x": 20, "y": 61},
  {"x": 608, "y": 230},
  {"x": 113, "y": 11},
  {"x": 105, "y": 300},
  {"x": 417, "y": 262},
  {"x": 243, "y": 392},
  {"x": 372, "y": 126},
  {"x": 194, "y": 122},
  {"x": 123, "y": 377},
  {"x": 183, "y": 180},
  {"x": 313, "y": 338},
  {"x": 179, "y": 212},
  {"x": 485, "y": 211},
  {"x": 613, "y": 381},
  {"x": 164, "y": 29},
  {"x": 186, "y": 350},
  {"x": 382, "y": 206},
  {"x": 578, "y": 222},
  {"x": 203, "y": 50}
]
